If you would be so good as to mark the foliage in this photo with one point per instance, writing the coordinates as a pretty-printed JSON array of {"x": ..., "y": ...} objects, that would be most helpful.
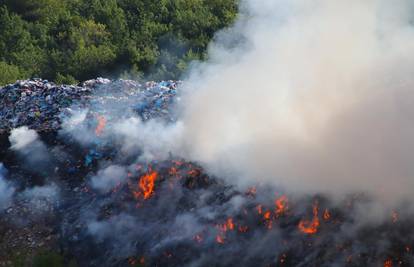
[
  {"x": 48, "y": 259},
  {"x": 70, "y": 40}
]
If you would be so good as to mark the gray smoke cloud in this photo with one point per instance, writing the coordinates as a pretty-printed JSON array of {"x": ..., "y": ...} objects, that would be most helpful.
[
  {"x": 316, "y": 97},
  {"x": 109, "y": 178},
  {"x": 6, "y": 190},
  {"x": 27, "y": 144}
]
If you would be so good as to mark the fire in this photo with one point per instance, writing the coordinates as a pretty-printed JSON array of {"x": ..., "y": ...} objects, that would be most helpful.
[
  {"x": 194, "y": 172},
  {"x": 268, "y": 220},
  {"x": 227, "y": 226},
  {"x": 243, "y": 229},
  {"x": 259, "y": 209},
  {"x": 146, "y": 185},
  {"x": 134, "y": 261},
  {"x": 230, "y": 224},
  {"x": 326, "y": 215},
  {"x": 388, "y": 263},
  {"x": 281, "y": 205},
  {"x": 173, "y": 171},
  {"x": 266, "y": 215},
  {"x": 310, "y": 227},
  {"x": 223, "y": 228},
  {"x": 101, "y": 125},
  {"x": 220, "y": 239}
]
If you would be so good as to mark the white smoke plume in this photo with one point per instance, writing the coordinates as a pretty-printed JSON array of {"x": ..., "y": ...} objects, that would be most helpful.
[
  {"x": 27, "y": 144},
  {"x": 317, "y": 97},
  {"x": 22, "y": 137}
]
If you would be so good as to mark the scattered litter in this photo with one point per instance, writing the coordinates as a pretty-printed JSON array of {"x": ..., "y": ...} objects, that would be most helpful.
[{"x": 42, "y": 105}]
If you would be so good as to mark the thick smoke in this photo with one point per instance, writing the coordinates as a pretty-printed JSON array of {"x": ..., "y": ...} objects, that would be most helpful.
[
  {"x": 22, "y": 137},
  {"x": 316, "y": 97}
]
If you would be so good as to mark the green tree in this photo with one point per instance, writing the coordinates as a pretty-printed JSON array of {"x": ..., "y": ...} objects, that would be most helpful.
[
  {"x": 70, "y": 40},
  {"x": 9, "y": 73}
]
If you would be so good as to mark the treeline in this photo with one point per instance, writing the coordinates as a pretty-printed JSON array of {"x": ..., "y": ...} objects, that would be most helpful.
[{"x": 74, "y": 40}]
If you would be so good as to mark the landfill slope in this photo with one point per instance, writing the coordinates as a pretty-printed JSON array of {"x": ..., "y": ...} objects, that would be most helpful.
[
  {"x": 41, "y": 105},
  {"x": 96, "y": 198}
]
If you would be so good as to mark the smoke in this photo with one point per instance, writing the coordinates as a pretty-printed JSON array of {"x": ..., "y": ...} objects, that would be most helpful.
[
  {"x": 155, "y": 139},
  {"x": 109, "y": 178},
  {"x": 27, "y": 144},
  {"x": 6, "y": 190},
  {"x": 313, "y": 96},
  {"x": 22, "y": 137}
]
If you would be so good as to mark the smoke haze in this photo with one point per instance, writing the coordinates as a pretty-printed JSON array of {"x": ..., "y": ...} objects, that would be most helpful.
[
  {"x": 316, "y": 97},
  {"x": 6, "y": 190}
]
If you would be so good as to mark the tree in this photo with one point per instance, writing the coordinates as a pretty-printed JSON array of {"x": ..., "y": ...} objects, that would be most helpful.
[{"x": 69, "y": 40}]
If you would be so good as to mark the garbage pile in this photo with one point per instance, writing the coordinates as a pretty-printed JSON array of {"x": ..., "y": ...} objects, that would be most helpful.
[
  {"x": 97, "y": 204},
  {"x": 39, "y": 104}
]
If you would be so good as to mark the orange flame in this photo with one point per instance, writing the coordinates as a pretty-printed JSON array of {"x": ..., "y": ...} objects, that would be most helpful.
[
  {"x": 268, "y": 220},
  {"x": 230, "y": 224},
  {"x": 220, "y": 239},
  {"x": 194, "y": 172},
  {"x": 310, "y": 227},
  {"x": 326, "y": 215},
  {"x": 173, "y": 171},
  {"x": 146, "y": 185},
  {"x": 101, "y": 125},
  {"x": 259, "y": 209},
  {"x": 388, "y": 263},
  {"x": 281, "y": 205}
]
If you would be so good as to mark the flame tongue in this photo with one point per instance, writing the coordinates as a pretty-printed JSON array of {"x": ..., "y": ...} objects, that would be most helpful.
[
  {"x": 310, "y": 227},
  {"x": 101, "y": 125},
  {"x": 281, "y": 205},
  {"x": 146, "y": 185}
]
